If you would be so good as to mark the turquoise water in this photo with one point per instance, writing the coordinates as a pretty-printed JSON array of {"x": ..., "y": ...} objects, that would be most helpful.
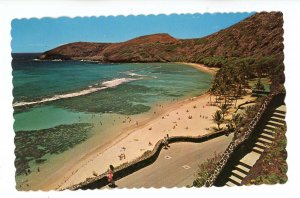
[
  {"x": 46, "y": 117},
  {"x": 129, "y": 89}
]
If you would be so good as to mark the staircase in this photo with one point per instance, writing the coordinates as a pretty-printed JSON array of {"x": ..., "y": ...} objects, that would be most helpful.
[{"x": 265, "y": 138}]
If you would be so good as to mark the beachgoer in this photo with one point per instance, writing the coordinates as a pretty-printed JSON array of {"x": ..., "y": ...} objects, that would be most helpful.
[
  {"x": 164, "y": 143},
  {"x": 168, "y": 140},
  {"x": 110, "y": 176},
  {"x": 122, "y": 156}
]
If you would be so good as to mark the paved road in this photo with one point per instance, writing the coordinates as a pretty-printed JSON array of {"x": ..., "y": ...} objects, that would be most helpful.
[{"x": 176, "y": 166}]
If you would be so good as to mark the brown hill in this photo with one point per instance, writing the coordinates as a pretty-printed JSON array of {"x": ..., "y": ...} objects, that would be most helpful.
[{"x": 258, "y": 36}]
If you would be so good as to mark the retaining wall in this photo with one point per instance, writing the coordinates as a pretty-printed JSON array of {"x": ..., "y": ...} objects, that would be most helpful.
[{"x": 127, "y": 169}]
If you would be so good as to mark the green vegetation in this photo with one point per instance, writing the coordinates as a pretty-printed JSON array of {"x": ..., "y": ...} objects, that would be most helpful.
[
  {"x": 33, "y": 146},
  {"x": 224, "y": 109},
  {"x": 259, "y": 85},
  {"x": 232, "y": 79},
  {"x": 265, "y": 82},
  {"x": 171, "y": 48},
  {"x": 236, "y": 119},
  {"x": 214, "y": 61},
  {"x": 205, "y": 169},
  {"x": 242, "y": 120},
  {"x": 273, "y": 166},
  {"x": 201, "y": 41},
  {"x": 126, "y": 51},
  {"x": 218, "y": 118},
  {"x": 143, "y": 54}
]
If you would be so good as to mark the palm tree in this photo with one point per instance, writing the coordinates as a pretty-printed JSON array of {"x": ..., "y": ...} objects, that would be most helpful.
[
  {"x": 217, "y": 118},
  {"x": 259, "y": 85},
  {"x": 224, "y": 109},
  {"x": 237, "y": 119},
  {"x": 237, "y": 93}
]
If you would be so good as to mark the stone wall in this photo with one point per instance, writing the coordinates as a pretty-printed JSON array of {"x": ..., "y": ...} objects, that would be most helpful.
[{"x": 145, "y": 160}]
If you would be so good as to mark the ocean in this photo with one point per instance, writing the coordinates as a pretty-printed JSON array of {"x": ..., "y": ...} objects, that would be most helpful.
[{"x": 60, "y": 104}]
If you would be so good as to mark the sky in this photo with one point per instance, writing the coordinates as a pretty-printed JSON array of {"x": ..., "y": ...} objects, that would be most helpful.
[{"x": 39, "y": 35}]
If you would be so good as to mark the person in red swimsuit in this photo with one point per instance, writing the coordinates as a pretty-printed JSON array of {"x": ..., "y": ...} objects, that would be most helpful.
[{"x": 110, "y": 176}]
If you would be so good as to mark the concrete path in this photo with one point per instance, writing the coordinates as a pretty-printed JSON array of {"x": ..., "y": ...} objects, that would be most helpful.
[{"x": 176, "y": 166}]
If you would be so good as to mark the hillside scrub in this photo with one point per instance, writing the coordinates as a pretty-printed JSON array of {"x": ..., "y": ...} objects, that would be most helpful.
[{"x": 205, "y": 169}]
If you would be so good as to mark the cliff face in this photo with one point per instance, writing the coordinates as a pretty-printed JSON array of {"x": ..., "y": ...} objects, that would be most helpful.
[{"x": 257, "y": 36}]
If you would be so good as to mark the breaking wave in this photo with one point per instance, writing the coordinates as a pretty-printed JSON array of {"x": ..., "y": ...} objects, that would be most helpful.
[{"x": 90, "y": 89}]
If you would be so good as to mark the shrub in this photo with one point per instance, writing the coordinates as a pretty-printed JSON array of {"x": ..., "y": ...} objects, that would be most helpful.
[{"x": 205, "y": 169}]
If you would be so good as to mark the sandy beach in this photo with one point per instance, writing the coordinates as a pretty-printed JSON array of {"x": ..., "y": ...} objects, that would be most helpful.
[
  {"x": 190, "y": 117},
  {"x": 201, "y": 67},
  {"x": 177, "y": 121}
]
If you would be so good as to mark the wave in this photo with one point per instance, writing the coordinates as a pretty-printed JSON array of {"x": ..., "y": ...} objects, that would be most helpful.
[
  {"x": 90, "y": 89},
  {"x": 130, "y": 73},
  {"x": 118, "y": 81}
]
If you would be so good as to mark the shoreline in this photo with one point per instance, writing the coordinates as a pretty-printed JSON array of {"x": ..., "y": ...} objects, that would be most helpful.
[
  {"x": 73, "y": 173},
  {"x": 201, "y": 67}
]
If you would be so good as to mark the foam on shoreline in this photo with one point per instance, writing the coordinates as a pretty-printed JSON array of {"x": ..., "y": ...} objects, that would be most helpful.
[{"x": 90, "y": 89}]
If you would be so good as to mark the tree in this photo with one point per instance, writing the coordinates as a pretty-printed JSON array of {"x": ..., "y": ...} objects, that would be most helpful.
[
  {"x": 259, "y": 85},
  {"x": 217, "y": 118},
  {"x": 237, "y": 93},
  {"x": 224, "y": 109},
  {"x": 237, "y": 119}
]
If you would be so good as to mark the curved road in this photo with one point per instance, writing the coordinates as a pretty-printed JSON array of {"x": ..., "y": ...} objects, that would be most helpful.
[{"x": 176, "y": 166}]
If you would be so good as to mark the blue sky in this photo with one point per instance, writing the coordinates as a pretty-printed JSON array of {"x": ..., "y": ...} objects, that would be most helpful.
[{"x": 38, "y": 35}]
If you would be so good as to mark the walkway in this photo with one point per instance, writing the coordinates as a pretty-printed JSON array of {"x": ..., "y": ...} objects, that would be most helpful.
[{"x": 176, "y": 166}]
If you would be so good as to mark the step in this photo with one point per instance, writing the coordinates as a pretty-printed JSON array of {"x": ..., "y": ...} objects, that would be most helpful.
[
  {"x": 279, "y": 115},
  {"x": 238, "y": 174},
  {"x": 265, "y": 140},
  {"x": 258, "y": 150},
  {"x": 242, "y": 169},
  {"x": 274, "y": 123},
  {"x": 235, "y": 180},
  {"x": 261, "y": 145},
  {"x": 277, "y": 119},
  {"x": 269, "y": 131},
  {"x": 230, "y": 184},
  {"x": 271, "y": 127},
  {"x": 250, "y": 159},
  {"x": 267, "y": 136},
  {"x": 282, "y": 108}
]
